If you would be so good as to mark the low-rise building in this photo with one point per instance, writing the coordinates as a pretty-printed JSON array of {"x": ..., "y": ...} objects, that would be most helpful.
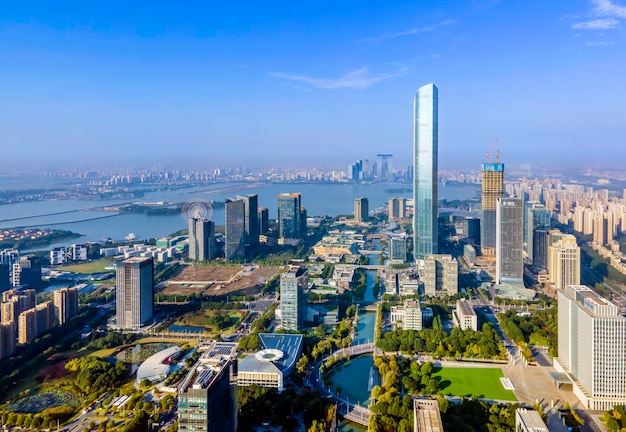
[
  {"x": 426, "y": 416},
  {"x": 529, "y": 421},
  {"x": 465, "y": 316}
]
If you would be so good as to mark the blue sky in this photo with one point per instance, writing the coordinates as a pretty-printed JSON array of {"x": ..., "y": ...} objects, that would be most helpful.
[{"x": 312, "y": 82}]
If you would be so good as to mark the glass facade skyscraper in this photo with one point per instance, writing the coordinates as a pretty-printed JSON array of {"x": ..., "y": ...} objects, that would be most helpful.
[{"x": 425, "y": 143}]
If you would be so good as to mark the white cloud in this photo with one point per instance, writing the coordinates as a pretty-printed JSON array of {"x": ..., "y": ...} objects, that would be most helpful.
[
  {"x": 359, "y": 78},
  {"x": 410, "y": 32},
  {"x": 608, "y": 8},
  {"x": 600, "y": 43},
  {"x": 598, "y": 24}
]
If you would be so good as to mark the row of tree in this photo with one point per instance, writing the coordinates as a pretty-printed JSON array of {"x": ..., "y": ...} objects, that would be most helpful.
[
  {"x": 541, "y": 326},
  {"x": 459, "y": 343}
]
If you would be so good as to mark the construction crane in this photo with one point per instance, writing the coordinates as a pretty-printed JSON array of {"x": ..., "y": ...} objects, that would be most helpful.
[{"x": 491, "y": 151}]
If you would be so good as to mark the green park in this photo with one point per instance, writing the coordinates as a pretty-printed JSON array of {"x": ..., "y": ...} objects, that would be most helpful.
[{"x": 472, "y": 382}]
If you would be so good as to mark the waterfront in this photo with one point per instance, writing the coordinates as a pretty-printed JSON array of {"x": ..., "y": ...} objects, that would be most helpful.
[{"x": 319, "y": 199}]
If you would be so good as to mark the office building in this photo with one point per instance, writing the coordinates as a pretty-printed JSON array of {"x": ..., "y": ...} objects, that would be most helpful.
[
  {"x": 469, "y": 254},
  {"x": 564, "y": 262},
  {"x": 361, "y": 209},
  {"x": 235, "y": 245},
  {"x": 291, "y": 216},
  {"x": 536, "y": 217},
  {"x": 65, "y": 304},
  {"x": 134, "y": 292},
  {"x": 492, "y": 190},
  {"x": 540, "y": 248},
  {"x": 441, "y": 275},
  {"x": 264, "y": 220},
  {"x": 529, "y": 421},
  {"x": 592, "y": 347},
  {"x": 7, "y": 339},
  {"x": 201, "y": 239},
  {"x": 271, "y": 366},
  {"x": 250, "y": 218},
  {"x": 397, "y": 209},
  {"x": 465, "y": 316},
  {"x": 425, "y": 154},
  {"x": 426, "y": 416},
  {"x": 397, "y": 250},
  {"x": 410, "y": 315},
  {"x": 293, "y": 300},
  {"x": 471, "y": 230},
  {"x": 509, "y": 241},
  {"x": 207, "y": 397}
]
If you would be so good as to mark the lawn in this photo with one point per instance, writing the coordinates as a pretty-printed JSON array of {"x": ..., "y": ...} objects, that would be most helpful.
[
  {"x": 204, "y": 319},
  {"x": 481, "y": 382},
  {"x": 87, "y": 268}
]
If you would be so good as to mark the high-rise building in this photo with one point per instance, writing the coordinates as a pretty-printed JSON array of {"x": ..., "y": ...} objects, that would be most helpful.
[
  {"x": 492, "y": 190},
  {"x": 441, "y": 275},
  {"x": 207, "y": 400},
  {"x": 201, "y": 239},
  {"x": 536, "y": 216},
  {"x": 564, "y": 262},
  {"x": 15, "y": 302},
  {"x": 27, "y": 272},
  {"x": 65, "y": 304},
  {"x": 361, "y": 209},
  {"x": 540, "y": 248},
  {"x": 250, "y": 218},
  {"x": 425, "y": 154},
  {"x": 264, "y": 220},
  {"x": 509, "y": 241},
  {"x": 592, "y": 347},
  {"x": 397, "y": 209},
  {"x": 134, "y": 293},
  {"x": 235, "y": 246},
  {"x": 291, "y": 216},
  {"x": 35, "y": 321},
  {"x": 7, "y": 339},
  {"x": 397, "y": 249},
  {"x": 7, "y": 258},
  {"x": 471, "y": 229},
  {"x": 293, "y": 300}
]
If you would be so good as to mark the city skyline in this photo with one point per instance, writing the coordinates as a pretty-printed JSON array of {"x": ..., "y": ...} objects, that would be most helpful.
[{"x": 221, "y": 83}]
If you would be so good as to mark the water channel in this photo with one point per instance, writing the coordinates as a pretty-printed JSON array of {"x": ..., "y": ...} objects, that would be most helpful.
[{"x": 356, "y": 377}]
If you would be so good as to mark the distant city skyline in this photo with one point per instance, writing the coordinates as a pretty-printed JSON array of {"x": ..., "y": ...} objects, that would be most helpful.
[{"x": 218, "y": 81}]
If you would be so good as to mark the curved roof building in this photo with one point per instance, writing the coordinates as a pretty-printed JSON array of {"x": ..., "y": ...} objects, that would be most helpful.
[{"x": 157, "y": 366}]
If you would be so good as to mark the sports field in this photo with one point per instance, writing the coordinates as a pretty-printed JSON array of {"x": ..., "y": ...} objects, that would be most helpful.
[{"x": 477, "y": 382}]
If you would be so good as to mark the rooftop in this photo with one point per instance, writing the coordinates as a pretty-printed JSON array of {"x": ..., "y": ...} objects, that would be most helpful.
[
  {"x": 465, "y": 308},
  {"x": 531, "y": 420},
  {"x": 157, "y": 365},
  {"x": 427, "y": 416},
  {"x": 289, "y": 345},
  {"x": 216, "y": 356}
]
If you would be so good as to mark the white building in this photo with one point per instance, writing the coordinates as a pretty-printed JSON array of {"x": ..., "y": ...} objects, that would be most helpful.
[
  {"x": 465, "y": 316},
  {"x": 529, "y": 421},
  {"x": 441, "y": 275},
  {"x": 410, "y": 316},
  {"x": 592, "y": 347}
]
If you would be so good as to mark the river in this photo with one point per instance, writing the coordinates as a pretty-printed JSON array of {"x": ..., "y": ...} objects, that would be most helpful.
[{"x": 318, "y": 199}]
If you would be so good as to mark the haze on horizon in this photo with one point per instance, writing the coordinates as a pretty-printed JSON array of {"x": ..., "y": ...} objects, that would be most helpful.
[{"x": 324, "y": 81}]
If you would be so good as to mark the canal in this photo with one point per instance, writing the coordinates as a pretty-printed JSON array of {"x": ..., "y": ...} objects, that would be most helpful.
[{"x": 356, "y": 377}]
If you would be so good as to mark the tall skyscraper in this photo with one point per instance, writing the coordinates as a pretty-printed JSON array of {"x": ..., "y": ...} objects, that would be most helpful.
[
  {"x": 397, "y": 208},
  {"x": 291, "y": 216},
  {"x": 425, "y": 154},
  {"x": 65, "y": 304},
  {"x": 536, "y": 216},
  {"x": 471, "y": 229},
  {"x": 250, "y": 218},
  {"x": 235, "y": 247},
  {"x": 592, "y": 347},
  {"x": 564, "y": 262},
  {"x": 492, "y": 190},
  {"x": 509, "y": 241},
  {"x": 540, "y": 248},
  {"x": 201, "y": 239},
  {"x": 134, "y": 293},
  {"x": 441, "y": 275},
  {"x": 361, "y": 209},
  {"x": 293, "y": 301},
  {"x": 264, "y": 220}
]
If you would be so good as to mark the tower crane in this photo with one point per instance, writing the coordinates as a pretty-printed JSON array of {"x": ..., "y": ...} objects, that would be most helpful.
[{"x": 493, "y": 146}]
